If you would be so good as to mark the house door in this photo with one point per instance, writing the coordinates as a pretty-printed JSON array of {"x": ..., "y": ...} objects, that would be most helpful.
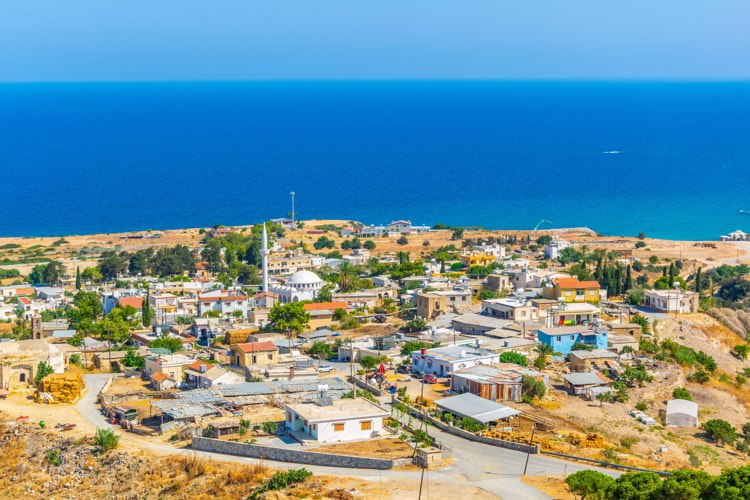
[{"x": 238, "y": 360}]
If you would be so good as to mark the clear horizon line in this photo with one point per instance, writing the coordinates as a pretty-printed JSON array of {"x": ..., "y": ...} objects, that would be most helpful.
[{"x": 400, "y": 80}]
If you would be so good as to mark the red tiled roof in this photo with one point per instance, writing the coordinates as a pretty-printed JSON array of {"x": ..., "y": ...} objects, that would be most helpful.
[
  {"x": 187, "y": 339},
  {"x": 322, "y": 306},
  {"x": 196, "y": 365},
  {"x": 24, "y": 300},
  {"x": 574, "y": 283},
  {"x": 265, "y": 294},
  {"x": 257, "y": 346},
  {"x": 136, "y": 302},
  {"x": 159, "y": 376}
]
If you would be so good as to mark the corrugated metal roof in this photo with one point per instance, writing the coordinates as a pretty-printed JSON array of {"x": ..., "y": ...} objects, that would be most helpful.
[
  {"x": 310, "y": 384},
  {"x": 476, "y": 408},
  {"x": 588, "y": 378},
  {"x": 244, "y": 389}
]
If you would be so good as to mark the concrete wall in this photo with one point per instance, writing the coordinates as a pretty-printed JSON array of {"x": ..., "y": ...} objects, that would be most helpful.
[
  {"x": 294, "y": 456},
  {"x": 362, "y": 384}
]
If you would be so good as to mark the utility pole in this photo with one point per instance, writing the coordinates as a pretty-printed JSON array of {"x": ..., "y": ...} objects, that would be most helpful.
[
  {"x": 294, "y": 222},
  {"x": 533, "y": 428}
]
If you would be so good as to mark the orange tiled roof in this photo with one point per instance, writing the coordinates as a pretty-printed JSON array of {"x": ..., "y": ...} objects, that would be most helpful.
[
  {"x": 257, "y": 346},
  {"x": 574, "y": 283},
  {"x": 136, "y": 302},
  {"x": 322, "y": 306},
  {"x": 196, "y": 365},
  {"x": 159, "y": 376}
]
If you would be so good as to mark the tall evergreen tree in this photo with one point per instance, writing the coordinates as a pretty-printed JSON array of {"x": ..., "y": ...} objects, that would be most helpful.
[
  {"x": 628, "y": 280},
  {"x": 146, "y": 314},
  {"x": 698, "y": 277},
  {"x": 78, "y": 278},
  {"x": 442, "y": 266},
  {"x": 598, "y": 272},
  {"x": 671, "y": 274},
  {"x": 664, "y": 271},
  {"x": 618, "y": 280}
]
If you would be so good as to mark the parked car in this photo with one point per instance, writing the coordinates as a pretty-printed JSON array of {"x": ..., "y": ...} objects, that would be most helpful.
[
  {"x": 404, "y": 369},
  {"x": 430, "y": 378},
  {"x": 325, "y": 369},
  {"x": 417, "y": 373}
]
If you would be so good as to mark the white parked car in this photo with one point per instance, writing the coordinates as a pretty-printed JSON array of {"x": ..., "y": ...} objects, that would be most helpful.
[{"x": 325, "y": 369}]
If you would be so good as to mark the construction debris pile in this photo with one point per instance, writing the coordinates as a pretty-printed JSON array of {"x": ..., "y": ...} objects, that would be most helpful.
[{"x": 60, "y": 388}]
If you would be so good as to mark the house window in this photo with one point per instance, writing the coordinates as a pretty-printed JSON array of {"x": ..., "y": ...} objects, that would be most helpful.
[
  {"x": 288, "y": 417},
  {"x": 453, "y": 299},
  {"x": 365, "y": 425},
  {"x": 559, "y": 339},
  {"x": 254, "y": 359},
  {"x": 338, "y": 427},
  {"x": 270, "y": 356},
  {"x": 568, "y": 294}
]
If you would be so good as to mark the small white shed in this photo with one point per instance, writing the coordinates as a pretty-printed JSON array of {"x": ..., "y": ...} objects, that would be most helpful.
[{"x": 681, "y": 413}]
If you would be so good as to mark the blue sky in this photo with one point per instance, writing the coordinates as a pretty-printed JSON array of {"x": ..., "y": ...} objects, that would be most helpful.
[{"x": 74, "y": 40}]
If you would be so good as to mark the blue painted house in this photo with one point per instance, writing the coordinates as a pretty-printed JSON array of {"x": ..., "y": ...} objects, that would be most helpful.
[{"x": 562, "y": 338}]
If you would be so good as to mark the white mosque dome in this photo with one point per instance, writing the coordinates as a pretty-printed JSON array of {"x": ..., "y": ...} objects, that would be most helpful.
[{"x": 304, "y": 278}]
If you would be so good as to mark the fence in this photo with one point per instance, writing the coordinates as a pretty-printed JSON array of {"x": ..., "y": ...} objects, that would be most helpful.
[{"x": 294, "y": 456}]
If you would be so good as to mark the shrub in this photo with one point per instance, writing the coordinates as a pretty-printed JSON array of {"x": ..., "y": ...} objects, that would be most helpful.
[
  {"x": 681, "y": 393},
  {"x": 627, "y": 442},
  {"x": 53, "y": 457},
  {"x": 514, "y": 357},
  {"x": 699, "y": 377},
  {"x": 106, "y": 439},
  {"x": 270, "y": 427},
  {"x": 641, "y": 405},
  {"x": 533, "y": 388},
  {"x": 42, "y": 370},
  {"x": 281, "y": 480}
]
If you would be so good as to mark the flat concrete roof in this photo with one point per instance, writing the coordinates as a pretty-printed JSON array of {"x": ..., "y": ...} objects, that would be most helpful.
[{"x": 342, "y": 409}]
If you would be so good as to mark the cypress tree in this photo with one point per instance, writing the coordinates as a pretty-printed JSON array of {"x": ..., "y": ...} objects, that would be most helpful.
[
  {"x": 698, "y": 281},
  {"x": 628, "y": 280},
  {"x": 598, "y": 272},
  {"x": 671, "y": 274},
  {"x": 664, "y": 271},
  {"x": 78, "y": 278},
  {"x": 618, "y": 280},
  {"x": 442, "y": 266},
  {"x": 146, "y": 314}
]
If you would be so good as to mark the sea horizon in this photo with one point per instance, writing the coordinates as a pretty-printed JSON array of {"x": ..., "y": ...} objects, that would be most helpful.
[{"x": 617, "y": 156}]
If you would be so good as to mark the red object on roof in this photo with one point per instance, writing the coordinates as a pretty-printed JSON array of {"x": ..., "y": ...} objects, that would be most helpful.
[
  {"x": 265, "y": 294},
  {"x": 136, "y": 302},
  {"x": 257, "y": 346},
  {"x": 24, "y": 300},
  {"x": 381, "y": 369},
  {"x": 322, "y": 306},
  {"x": 574, "y": 283}
]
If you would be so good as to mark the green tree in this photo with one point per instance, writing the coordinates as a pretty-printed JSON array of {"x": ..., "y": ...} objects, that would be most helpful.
[
  {"x": 369, "y": 245},
  {"x": 635, "y": 486},
  {"x": 132, "y": 360},
  {"x": 543, "y": 350},
  {"x": 742, "y": 350},
  {"x": 321, "y": 350},
  {"x": 146, "y": 312},
  {"x": 533, "y": 388},
  {"x": 290, "y": 319},
  {"x": 681, "y": 393},
  {"x": 653, "y": 259},
  {"x": 720, "y": 431},
  {"x": 415, "y": 325},
  {"x": 54, "y": 272},
  {"x": 111, "y": 265},
  {"x": 411, "y": 346},
  {"x": 368, "y": 362},
  {"x": 544, "y": 239},
  {"x": 589, "y": 484},
  {"x": 78, "y": 277},
  {"x": 174, "y": 344},
  {"x": 403, "y": 240},
  {"x": 643, "y": 321},
  {"x": 579, "y": 346},
  {"x": 42, "y": 370}
]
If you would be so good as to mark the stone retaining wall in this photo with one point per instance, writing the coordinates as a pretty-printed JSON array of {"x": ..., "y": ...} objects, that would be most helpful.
[
  {"x": 364, "y": 385},
  {"x": 293, "y": 456}
]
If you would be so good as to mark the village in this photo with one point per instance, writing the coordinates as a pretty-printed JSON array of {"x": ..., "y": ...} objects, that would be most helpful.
[{"x": 338, "y": 344}]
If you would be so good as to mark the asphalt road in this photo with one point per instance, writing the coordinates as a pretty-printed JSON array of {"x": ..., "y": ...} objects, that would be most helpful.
[{"x": 496, "y": 470}]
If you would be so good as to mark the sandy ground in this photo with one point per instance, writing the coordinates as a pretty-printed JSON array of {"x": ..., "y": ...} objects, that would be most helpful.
[
  {"x": 379, "y": 448},
  {"x": 553, "y": 485}
]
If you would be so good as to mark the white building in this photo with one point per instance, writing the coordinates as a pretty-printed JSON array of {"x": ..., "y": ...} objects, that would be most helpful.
[
  {"x": 206, "y": 378},
  {"x": 675, "y": 300},
  {"x": 343, "y": 420},
  {"x": 496, "y": 250},
  {"x": 302, "y": 285},
  {"x": 225, "y": 302},
  {"x": 552, "y": 249},
  {"x": 443, "y": 361},
  {"x": 164, "y": 307}
]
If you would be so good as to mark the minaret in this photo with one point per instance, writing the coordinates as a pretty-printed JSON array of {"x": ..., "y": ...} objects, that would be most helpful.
[{"x": 264, "y": 254}]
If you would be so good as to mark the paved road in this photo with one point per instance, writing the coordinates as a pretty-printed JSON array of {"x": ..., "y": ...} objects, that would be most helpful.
[
  {"x": 744, "y": 250},
  {"x": 496, "y": 470}
]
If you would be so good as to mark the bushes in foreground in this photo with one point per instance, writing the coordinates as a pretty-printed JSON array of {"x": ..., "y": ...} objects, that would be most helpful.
[{"x": 682, "y": 484}]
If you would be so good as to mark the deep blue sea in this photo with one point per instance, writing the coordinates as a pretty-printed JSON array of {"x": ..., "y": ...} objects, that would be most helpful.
[{"x": 669, "y": 159}]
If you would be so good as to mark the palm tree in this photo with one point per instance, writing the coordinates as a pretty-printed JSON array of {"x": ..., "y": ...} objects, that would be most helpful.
[
  {"x": 544, "y": 350},
  {"x": 347, "y": 277}
]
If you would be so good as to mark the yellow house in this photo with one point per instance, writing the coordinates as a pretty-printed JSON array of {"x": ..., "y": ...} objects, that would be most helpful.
[
  {"x": 255, "y": 353},
  {"x": 572, "y": 290},
  {"x": 477, "y": 259}
]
